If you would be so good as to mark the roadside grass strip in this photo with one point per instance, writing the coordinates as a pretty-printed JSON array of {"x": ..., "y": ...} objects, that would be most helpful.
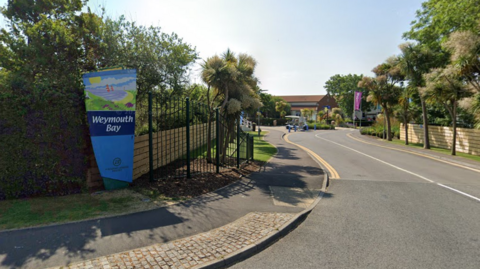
[
  {"x": 333, "y": 173},
  {"x": 262, "y": 150},
  {"x": 31, "y": 212}
]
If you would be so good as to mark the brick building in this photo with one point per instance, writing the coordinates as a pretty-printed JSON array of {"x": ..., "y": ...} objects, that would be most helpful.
[{"x": 314, "y": 102}]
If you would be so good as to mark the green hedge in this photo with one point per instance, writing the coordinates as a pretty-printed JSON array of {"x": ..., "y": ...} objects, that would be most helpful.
[
  {"x": 320, "y": 126},
  {"x": 44, "y": 140},
  {"x": 378, "y": 131},
  {"x": 269, "y": 121}
]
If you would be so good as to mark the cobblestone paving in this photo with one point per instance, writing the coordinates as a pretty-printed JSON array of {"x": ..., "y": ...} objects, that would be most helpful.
[{"x": 195, "y": 250}]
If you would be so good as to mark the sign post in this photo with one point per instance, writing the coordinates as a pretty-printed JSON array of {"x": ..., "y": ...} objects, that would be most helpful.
[{"x": 110, "y": 98}]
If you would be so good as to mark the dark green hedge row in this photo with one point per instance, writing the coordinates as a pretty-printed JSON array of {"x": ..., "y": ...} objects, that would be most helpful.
[
  {"x": 43, "y": 141},
  {"x": 269, "y": 121},
  {"x": 320, "y": 126},
  {"x": 378, "y": 131}
]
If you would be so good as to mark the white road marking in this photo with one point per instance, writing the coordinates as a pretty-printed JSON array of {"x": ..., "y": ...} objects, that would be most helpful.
[
  {"x": 461, "y": 192},
  {"x": 401, "y": 169}
]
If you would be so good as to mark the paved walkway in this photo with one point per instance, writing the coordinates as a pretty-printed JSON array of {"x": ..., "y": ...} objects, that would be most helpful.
[
  {"x": 199, "y": 250},
  {"x": 211, "y": 230}
]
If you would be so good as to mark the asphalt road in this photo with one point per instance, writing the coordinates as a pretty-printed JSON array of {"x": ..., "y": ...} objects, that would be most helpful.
[{"x": 389, "y": 209}]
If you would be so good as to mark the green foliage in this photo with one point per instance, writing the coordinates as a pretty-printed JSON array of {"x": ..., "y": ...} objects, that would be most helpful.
[
  {"x": 269, "y": 121},
  {"x": 378, "y": 129},
  {"x": 320, "y": 126},
  {"x": 262, "y": 150},
  {"x": 438, "y": 18},
  {"x": 384, "y": 88},
  {"x": 343, "y": 87},
  {"x": 46, "y": 210},
  {"x": 162, "y": 60},
  {"x": 44, "y": 50}
]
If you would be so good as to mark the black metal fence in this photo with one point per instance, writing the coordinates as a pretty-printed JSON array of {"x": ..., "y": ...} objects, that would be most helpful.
[{"x": 187, "y": 138}]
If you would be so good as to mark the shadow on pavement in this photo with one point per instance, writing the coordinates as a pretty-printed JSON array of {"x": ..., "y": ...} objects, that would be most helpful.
[{"x": 27, "y": 247}]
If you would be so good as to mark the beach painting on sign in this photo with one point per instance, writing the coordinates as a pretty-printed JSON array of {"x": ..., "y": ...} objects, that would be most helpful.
[
  {"x": 110, "y": 91},
  {"x": 110, "y": 98}
]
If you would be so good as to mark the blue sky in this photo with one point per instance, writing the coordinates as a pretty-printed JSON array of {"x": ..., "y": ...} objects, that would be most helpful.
[{"x": 298, "y": 44}]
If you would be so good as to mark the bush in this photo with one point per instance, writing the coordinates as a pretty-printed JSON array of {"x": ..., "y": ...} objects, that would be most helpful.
[
  {"x": 311, "y": 126},
  {"x": 46, "y": 141},
  {"x": 269, "y": 121}
]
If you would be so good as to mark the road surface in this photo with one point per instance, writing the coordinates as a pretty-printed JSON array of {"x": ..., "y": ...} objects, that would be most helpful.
[{"x": 387, "y": 209}]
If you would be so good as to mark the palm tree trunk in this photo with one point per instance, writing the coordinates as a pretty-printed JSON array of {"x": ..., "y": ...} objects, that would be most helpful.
[
  {"x": 426, "y": 139},
  {"x": 405, "y": 125},
  {"x": 389, "y": 128},
  {"x": 454, "y": 120}
]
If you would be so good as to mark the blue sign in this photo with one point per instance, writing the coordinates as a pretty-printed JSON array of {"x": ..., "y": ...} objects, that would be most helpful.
[{"x": 110, "y": 98}]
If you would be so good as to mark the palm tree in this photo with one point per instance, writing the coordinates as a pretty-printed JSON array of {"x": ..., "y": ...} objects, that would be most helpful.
[
  {"x": 214, "y": 73},
  {"x": 383, "y": 88},
  {"x": 404, "y": 106},
  {"x": 233, "y": 82},
  {"x": 445, "y": 86},
  {"x": 415, "y": 61}
]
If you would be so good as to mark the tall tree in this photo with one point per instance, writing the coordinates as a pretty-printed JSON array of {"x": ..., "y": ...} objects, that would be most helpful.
[
  {"x": 464, "y": 47},
  {"x": 438, "y": 18},
  {"x": 445, "y": 86},
  {"x": 162, "y": 61},
  {"x": 415, "y": 61},
  {"x": 384, "y": 87},
  {"x": 233, "y": 82},
  {"x": 342, "y": 88},
  {"x": 44, "y": 48},
  {"x": 280, "y": 107}
]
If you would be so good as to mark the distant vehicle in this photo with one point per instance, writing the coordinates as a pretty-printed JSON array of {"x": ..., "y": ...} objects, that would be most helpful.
[
  {"x": 291, "y": 125},
  {"x": 294, "y": 121}
]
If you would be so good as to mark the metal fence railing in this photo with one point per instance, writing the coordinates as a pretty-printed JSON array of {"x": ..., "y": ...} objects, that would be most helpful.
[{"x": 187, "y": 138}]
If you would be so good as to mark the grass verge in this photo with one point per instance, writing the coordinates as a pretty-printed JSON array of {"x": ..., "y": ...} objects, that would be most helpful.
[
  {"x": 440, "y": 150},
  {"x": 23, "y": 213},
  {"x": 262, "y": 150}
]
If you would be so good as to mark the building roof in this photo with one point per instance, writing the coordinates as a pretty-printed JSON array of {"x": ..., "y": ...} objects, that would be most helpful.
[
  {"x": 302, "y": 98},
  {"x": 295, "y": 108}
]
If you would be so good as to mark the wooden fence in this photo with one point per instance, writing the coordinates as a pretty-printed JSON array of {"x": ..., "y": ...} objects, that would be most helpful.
[
  {"x": 167, "y": 139},
  {"x": 468, "y": 140}
]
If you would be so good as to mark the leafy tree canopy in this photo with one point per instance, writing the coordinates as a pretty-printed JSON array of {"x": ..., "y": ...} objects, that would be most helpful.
[
  {"x": 342, "y": 88},
  {"x": 438, "y": 18}
]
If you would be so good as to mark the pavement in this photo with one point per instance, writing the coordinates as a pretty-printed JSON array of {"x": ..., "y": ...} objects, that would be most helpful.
[{"x": 211, "y": 231}]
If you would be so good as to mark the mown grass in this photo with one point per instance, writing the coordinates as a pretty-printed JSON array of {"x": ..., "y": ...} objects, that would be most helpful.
[
  {"x": 47, "y": 210},
  {"x": 440, "y": 150},
  {"x": 262, "y": 150}
]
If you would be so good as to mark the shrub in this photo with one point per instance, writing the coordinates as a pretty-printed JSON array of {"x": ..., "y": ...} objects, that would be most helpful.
[{"x": 311, "y": 126}]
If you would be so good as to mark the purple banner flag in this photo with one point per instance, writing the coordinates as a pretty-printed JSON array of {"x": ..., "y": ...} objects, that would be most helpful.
[{"x": 358, "y": 100}]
